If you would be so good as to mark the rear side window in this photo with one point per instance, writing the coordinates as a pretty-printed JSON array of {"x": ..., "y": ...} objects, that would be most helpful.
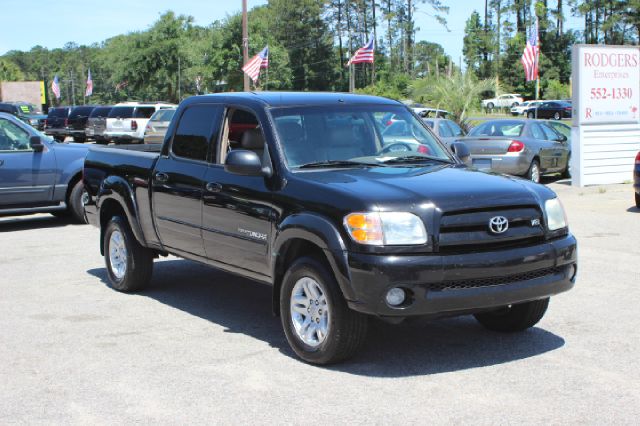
[
  {"x": 536, "y": 132},
  {"x": 144, "y": 112},
  {"x": 121, "y": 112},
  {"x": 445, "y": 132},
  {"x": 455, "y": 129},
  {"x": 100, "y": 112},
  {"x": 199, "y": 124}
]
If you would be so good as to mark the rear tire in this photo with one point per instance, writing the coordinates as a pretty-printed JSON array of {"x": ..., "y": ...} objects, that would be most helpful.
[
  {"x": 317, "y": 336},
  {"x": 490, "y": 106},
  {"x": 556, "y": 116},
  {"x": 566, "y": 174},
  {"x": 79, "y": 139},
  {"x": 531, "y": 115},
  {"x": 76, "y": 201},
  {"x": 129, "y": 265},
  {"x": 637, "y": 200},
  {"x": 514, "y": 318},
  {"x": 533, "y": 174}
]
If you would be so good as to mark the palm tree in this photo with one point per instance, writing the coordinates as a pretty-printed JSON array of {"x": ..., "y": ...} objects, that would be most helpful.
[{"x": 457, "y": 94}]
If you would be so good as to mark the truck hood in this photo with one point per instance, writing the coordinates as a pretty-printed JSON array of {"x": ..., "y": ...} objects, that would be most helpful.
[{"x": 448, "y": 188}]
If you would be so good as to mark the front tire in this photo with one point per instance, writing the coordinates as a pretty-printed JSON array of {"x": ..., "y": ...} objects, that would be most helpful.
[
  {"x": 129, "y": 264},
  {"x": 637, "y": 200},
  {"x": 556, "y": 116},
  {"x": 490, "y": 106},
  {"x": 76, "y": 201},
  {"x": 514, "y": 318},
  {"x": 318, "y": 324},
  {"x": 533, "y": 174},
  {"x": 531, "y": 115}
]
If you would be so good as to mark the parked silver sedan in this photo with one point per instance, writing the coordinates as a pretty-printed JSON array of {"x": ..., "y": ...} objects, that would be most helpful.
[
  {"x": 518, "y": 147},
  {"x": 447, "y": 130},
  {"x": 158, "y": 125}
]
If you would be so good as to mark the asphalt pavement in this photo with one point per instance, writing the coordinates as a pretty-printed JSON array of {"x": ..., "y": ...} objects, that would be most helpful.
[{"x": 201, "y": 346}]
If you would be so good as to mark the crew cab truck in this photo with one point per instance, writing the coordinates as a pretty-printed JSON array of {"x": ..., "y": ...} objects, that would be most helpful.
[{"x": 299, "y": 191}]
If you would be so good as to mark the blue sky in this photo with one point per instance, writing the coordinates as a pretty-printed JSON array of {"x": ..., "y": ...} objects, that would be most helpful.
[{"x": 52, "y": 24}]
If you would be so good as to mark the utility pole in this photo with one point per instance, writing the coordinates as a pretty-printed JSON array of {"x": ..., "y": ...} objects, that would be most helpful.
[
  {"x": 73, "y": 89},
  {"x": 179, "y": 93},
  {"x": 245, "y": 43}
]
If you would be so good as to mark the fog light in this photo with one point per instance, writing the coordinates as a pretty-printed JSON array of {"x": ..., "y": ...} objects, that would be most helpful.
[{"x": 396, "y": 296}]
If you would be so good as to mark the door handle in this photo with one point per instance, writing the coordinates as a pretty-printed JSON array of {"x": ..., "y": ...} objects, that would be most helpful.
[
  {"x": 213, "y": 187},
  {"x": 161, "y": 177}
]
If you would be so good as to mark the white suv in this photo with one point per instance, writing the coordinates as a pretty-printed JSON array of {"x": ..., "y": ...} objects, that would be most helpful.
[
  {"x": 508, "y": 100},
  {"x": 126, "y": 121}
]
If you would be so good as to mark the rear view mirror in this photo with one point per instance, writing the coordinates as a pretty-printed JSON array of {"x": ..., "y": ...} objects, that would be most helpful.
[
  {"x": 35, "y": 142},
  {"x": 461, "y": 150}
]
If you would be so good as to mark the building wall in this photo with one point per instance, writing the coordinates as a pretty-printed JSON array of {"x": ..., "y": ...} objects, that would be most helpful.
[{"x": 26, "y": 91}]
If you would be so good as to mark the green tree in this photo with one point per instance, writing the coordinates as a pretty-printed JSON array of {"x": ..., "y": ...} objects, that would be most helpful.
[{"x": 9, "y": 71}]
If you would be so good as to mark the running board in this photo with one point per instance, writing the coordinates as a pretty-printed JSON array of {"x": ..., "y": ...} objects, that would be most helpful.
[{"x": 42, "y": 209}]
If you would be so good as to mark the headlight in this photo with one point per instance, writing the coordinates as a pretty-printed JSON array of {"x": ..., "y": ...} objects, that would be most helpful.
[
  {"x": 556, "y": 219},
  {"x": 385, "y": 228}
]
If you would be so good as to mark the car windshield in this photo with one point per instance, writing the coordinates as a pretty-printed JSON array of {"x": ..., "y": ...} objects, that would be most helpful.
[
  {"x": 355, "y": 135},
  {"x": 498, "y": 128}
]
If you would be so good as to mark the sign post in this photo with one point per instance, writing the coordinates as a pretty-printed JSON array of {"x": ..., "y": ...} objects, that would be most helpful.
[{"x": 606, "y": 113}]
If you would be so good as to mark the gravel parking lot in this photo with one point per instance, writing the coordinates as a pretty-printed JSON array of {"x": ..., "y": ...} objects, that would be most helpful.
[{"x": 201, "y": 346}]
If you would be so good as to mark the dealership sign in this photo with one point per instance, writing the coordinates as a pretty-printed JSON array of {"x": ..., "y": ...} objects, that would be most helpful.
[
  {"x": 605, "y": 136},
  {"x": 606, "y": 83}
]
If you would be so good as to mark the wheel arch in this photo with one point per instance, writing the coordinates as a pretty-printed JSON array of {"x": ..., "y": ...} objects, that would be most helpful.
[{"x": 309, "y": 235}]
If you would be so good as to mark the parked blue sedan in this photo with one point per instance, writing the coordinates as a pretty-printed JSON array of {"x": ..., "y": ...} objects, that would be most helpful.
[{"x": 38, "y": 174}]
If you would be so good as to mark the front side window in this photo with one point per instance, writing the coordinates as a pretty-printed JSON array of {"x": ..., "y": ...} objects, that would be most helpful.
[
  {"x": 198, "y": 126},
  {"x": 536, "y": 132},
  {"x": 12, "y": 137},
  {"x": 316, "y": 135},
  {"x": 455, "y": 129}
]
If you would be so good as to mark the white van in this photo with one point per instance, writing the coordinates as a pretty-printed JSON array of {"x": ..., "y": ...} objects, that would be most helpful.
[{"x": 126, "y": 121}]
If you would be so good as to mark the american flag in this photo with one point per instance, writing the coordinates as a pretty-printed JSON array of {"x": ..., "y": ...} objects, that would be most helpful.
[
  {"x": 261, "y": 60},
  {"x": 364, "y": 54},
  {"x": 89, "y": 90},
  {"x": 531, "y": 55},
  {"x": 55, "y": 87}
]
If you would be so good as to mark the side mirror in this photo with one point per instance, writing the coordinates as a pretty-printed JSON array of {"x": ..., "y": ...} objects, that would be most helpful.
[
  {"x": 461, "y": 150},
  {"x": 243, "y": 162},
  {"x": 36, "y": 143},
  {"x": 562, "y": 139}
]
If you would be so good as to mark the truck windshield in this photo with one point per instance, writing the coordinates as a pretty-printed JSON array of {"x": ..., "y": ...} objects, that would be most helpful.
[{"x": 355, "y": 135}]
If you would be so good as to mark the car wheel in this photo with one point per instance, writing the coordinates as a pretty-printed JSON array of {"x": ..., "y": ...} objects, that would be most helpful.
[
  {"x": 318, "y": 324},
  {"x": 530, "y": 114},
  {"x": 533, "y": 174},
  {"x": 76, "y": 201},
  {"x": 129, "y": 265},
  {"x": 556, "y": 116},
  {"x": 102, "y": 141},
  {"x": 637, "y": 200},
  {"x": 79, "y": 139},
  {"x": 513, "y": 318},
  {"x": 567, "y": 171},
  {"x": 490, "y": 106}
]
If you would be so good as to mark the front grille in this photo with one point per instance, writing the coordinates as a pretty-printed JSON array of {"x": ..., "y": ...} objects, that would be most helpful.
[
  {"x": 495, "y": 281},
  {"x": 469, "y": 230}
]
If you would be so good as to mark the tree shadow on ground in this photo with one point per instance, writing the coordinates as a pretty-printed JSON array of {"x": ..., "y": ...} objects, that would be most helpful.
[{"x": 409, "y": 349}]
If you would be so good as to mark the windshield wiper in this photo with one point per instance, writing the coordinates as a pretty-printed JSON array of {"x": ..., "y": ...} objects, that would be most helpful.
[
  {"x": 337, "y": 163},
  {"x": 415, "y": 159}
]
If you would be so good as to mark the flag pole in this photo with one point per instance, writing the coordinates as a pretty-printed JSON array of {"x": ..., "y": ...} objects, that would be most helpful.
[{"x": 537, "y": 58}]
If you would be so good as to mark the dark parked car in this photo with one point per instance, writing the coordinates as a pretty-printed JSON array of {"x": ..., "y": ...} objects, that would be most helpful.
[
  {"x": 38, "y": 174},
  {"x": 555, "y": 110},
  {"x": 518, "y": 147},
  {"x": 636, "y": 180},
  {"x": 309, "y": 202},
  {"x": 77, "y": 122},
  {"x": 25, "y": 112},
  {"x": 56, "y": 122},
  {"x": 97, "y": 123}
]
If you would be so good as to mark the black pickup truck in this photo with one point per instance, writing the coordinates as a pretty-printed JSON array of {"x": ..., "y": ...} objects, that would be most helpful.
[{"x": 303, "y": 192}]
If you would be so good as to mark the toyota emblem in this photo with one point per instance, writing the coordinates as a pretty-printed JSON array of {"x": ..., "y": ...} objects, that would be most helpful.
[{"x": 498, "y": 224}]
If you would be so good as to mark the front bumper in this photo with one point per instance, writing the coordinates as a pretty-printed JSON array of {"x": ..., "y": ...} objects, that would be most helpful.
[{"x": 441, "y": 285}]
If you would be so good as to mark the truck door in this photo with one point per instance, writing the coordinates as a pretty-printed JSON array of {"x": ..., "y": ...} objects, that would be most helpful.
[
  {"x": 237, "y": 212},
  {"x": 26, "y": 177},
  {"x": 178, "y": 179}
]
